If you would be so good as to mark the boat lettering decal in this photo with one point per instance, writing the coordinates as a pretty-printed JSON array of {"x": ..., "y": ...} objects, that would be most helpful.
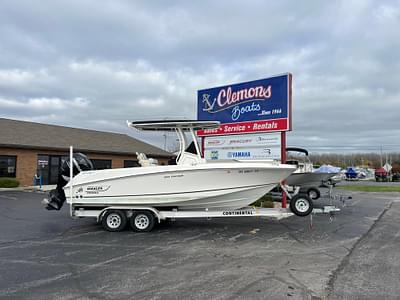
[
  {"x": 248, "y": 171},
  {"x": 96, "y": 189},
  {"x": 174, "y": 176},
  {"x": 238, "y": 213}
]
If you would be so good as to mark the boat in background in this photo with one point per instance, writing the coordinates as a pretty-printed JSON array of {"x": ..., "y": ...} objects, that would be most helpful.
[
  {"x": 384, "y": 173},
  {"x": 351, "y": 173},
  {"x": 336, "y": 174},
  {"x": 305, "y": 176}
]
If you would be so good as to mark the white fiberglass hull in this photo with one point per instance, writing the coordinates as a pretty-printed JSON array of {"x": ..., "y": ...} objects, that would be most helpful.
[{"x": 211, "y": 186}]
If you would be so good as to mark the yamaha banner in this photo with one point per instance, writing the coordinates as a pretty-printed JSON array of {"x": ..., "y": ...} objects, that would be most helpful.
[
  {"x": 256, "y": 106},
  {"x": 265, "y": 146}
]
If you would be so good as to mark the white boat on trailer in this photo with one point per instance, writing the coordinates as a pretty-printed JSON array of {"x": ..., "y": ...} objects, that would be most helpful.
[{"x": 191, "y": 188}]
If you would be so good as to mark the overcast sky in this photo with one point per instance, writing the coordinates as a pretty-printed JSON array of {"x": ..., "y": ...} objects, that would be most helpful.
[{"x": 94, "y": 64}]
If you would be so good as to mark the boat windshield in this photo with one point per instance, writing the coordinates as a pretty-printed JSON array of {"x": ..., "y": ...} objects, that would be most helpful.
[{"x": 302, "y": 162}]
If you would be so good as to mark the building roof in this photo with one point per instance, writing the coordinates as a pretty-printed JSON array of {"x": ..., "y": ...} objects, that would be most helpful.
[{"x": 30, "y": 135}]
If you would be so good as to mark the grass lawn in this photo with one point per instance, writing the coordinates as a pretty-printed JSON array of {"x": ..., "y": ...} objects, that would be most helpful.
[{"x": 367, "y": 188}]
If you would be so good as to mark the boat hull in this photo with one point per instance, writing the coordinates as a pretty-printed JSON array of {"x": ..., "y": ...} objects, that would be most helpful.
[
  {"x": 209, "y": 186},
  {"x": 308, "y": 179}
]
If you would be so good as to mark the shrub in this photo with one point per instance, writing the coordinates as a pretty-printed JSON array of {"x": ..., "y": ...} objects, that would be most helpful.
[
  {"x": 268, "y": 204},
  {"x": 6, "y": 182}
]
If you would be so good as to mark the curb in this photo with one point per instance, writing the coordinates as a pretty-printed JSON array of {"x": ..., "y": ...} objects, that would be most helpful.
[{"x": 44, "y": 188}]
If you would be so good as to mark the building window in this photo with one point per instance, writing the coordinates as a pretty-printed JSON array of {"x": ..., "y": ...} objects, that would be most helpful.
[
  {"x": 131, "y": 163},
  {"x": 100, "y": 164},
  {"x": 8, "y": 166}
]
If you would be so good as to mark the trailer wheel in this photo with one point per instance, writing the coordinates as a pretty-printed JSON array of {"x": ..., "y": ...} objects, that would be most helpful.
[
  {"x": 142, "y": 221},
  {"x": 313, "y": 193},
  {"x": 114, "y": 220},
  {"x": 301, "y": 205}
]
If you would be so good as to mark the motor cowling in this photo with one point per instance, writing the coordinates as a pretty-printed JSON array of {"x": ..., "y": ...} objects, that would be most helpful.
[{"x": 57, "y": 196}]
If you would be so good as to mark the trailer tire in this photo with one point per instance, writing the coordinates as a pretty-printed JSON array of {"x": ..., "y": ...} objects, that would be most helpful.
[
  {"x": 142, "y": 221},
  {"x": 114, "y": 220},
  {"x": 301, "y": 205},
  {"x": 313, "y": 193}
]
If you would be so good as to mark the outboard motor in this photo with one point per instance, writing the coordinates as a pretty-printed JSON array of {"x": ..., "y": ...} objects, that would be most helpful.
[{"x": 57, "y": 196}]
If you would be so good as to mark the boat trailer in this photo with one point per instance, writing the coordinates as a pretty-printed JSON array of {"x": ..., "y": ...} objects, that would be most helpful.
[{"x": 143, "y": 218}]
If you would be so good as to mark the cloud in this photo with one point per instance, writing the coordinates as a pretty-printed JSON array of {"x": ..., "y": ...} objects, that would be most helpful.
[
  {"x": 15, "y": 77},
  {"x": 40, "y": 104},
  {"x": 95, "y": 65},
  {"x": 150, "y": 103}
]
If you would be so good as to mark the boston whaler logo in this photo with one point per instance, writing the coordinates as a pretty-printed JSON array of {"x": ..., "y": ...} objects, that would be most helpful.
[
  {"x": 228, "y": 98},
  {"x": 96, "y": 189}
]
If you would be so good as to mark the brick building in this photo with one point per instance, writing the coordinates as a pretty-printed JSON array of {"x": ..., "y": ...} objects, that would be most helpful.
[{"x": 28, "y": 149}]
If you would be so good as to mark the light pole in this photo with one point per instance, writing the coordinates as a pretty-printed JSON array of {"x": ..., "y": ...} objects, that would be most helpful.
[{"x": 165, "y": 141}]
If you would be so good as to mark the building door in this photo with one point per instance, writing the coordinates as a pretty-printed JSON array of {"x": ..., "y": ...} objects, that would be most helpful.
[
  {"x": 54, "y": 169},
  {"x": 48, "y": 167},
  {"x": 43, "y": 168}
]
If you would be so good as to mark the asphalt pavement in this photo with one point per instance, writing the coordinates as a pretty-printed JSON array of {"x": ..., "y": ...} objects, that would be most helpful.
[{"x": 48, "y": 255}]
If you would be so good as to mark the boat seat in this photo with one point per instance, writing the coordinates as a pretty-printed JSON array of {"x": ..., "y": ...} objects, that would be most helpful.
[
  {"x": 146, "y": 162},
  {"x": 190, "y": 159}
]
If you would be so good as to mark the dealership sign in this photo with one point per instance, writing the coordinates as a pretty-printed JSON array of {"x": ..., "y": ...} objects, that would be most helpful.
[
  {"x": 257, "y": 106},
  {"x": 243, "y": 147}
]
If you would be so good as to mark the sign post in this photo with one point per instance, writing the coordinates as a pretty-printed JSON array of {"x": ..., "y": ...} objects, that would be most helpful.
[
  {"x": 283, "y": 160},
  {"x": 259, "y": 106}
]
